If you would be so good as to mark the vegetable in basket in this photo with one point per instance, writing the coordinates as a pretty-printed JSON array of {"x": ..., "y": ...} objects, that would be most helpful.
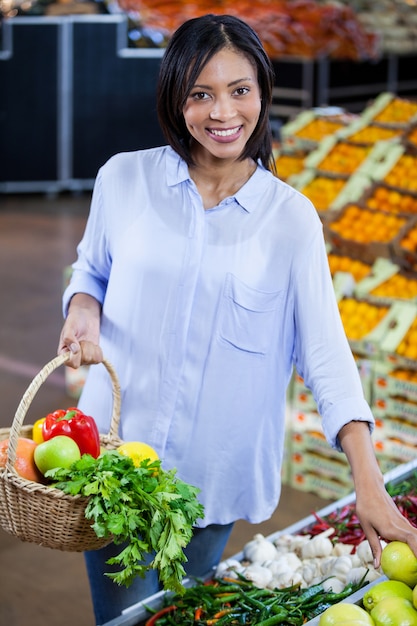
[
  {"x": 147, "y": 508},
  {"x": 75, "y": 424}
]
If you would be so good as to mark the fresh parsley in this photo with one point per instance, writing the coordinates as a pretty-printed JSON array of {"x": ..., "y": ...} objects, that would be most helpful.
[{"x": 147, "y": 508}]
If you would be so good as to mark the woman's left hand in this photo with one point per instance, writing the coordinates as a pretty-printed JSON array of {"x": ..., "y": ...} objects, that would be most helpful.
[
  {"x": 378, "y": 514},
  {"x": 380, "y": 518}
]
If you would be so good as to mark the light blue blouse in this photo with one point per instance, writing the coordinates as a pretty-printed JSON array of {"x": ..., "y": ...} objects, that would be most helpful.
[{"x": 204, "y": 314}]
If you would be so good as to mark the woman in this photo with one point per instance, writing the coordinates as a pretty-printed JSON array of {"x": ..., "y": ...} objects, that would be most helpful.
[{"x": 204, "y": 279}]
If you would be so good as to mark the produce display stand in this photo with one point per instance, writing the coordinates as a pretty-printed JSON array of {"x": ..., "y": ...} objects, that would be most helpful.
[
  {"x": 74, "y": 93},
  {"x": 137, "y": 614}
]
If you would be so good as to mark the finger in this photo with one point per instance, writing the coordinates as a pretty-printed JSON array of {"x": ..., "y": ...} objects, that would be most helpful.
[
  {"x": 374, "y": 544},
  {"x": 74, "y": 349},
  {"x": 91, "y": 353}
]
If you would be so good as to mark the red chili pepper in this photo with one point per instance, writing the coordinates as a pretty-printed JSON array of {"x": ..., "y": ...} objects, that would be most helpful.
[
  {"x": 75, "y": 424},
  {"x": 152, "y": 621},
  {"x": 198, "y": 613}
]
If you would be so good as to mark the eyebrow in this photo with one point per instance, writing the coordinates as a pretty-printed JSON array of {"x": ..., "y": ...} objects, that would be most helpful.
[{"x": 234, "y": 82}]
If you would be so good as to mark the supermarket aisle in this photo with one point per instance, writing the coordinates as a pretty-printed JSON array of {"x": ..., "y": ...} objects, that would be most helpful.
[{"x": 38, "y": 235}]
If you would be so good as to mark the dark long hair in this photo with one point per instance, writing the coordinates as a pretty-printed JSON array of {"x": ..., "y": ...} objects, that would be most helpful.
[{"x": 192, "y": 45}]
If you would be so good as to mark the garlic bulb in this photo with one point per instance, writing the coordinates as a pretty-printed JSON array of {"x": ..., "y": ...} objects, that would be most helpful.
[
  {"x": 357, "y": 573},
  {"x": 333, "y": 584},
  {"x": 259, "y": 575},
  {"x": 341, "y": 567},
  {"x": 364, "y": 552},
  {"x": 341, "y": 549},
  {"x": 309, "y": 571},
  {"x": 320, "y": 545},
  {"x": 230, "y": 568},
  {"x": 259, "y": 550},
  {"x": 286, "y": 579}
]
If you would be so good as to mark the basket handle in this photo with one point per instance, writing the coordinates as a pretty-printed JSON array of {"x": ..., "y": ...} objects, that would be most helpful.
[{"x": 33, "y": 388}]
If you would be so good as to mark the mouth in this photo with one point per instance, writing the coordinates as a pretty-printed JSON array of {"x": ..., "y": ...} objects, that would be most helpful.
[{"x": 227, "y": 133}]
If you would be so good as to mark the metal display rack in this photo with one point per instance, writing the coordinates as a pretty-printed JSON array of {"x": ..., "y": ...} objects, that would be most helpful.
[{"x": 73, "y": 94}]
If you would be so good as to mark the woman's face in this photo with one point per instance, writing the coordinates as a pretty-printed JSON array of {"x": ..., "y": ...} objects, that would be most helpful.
[{"x": 223, "y": 107}]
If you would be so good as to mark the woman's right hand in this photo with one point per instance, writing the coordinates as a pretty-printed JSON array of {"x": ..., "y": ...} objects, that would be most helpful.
[{"x": 80, "y": 333}]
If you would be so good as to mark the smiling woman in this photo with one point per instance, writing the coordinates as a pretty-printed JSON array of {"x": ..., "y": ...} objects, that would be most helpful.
[
  {"x": 221, "y": 114},
  {"x": 205, "y": 280}
]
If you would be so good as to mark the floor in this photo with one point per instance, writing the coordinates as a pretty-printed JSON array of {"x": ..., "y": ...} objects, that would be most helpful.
[{"x": 38, "y": 235}]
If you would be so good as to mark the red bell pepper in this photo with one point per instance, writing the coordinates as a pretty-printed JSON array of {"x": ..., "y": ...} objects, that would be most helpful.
[{"x": 75, "y": 424}]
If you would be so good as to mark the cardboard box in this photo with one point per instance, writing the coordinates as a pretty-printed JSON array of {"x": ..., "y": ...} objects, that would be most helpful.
[
  {"x": 324, "y": 487},
  {"x": 386, "y": 384},
  {"x": 396, "y": 428},
  {"x": 395, "y": 449},
  {"x": 313, "y": 462},
  {"x": 386, "y": 408}
]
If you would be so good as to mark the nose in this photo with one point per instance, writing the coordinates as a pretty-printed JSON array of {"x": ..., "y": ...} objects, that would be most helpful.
[{"x": 223, "y": 110}]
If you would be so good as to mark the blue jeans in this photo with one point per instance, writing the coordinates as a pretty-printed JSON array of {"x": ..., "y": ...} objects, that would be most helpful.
[{"x": 109, "y": 599}]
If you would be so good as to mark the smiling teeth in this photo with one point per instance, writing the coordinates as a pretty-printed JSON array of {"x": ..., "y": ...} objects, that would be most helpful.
[{"x": 225, "y": 133}]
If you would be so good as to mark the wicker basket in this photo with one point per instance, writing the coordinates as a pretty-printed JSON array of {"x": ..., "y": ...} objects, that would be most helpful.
[{"x": 38, "y": 513}]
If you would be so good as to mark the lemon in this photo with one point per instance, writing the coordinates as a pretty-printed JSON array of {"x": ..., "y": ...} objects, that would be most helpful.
[
  {"x": 353, "y": 622},
  {"x": 386, "y": 589},
  {"x": 398, "y": 562},
  {"x": 138, "y": 452},
  {"x": 343, "y": 612},
  {"x": 394, "y": 612},
  {"x": 414, "y": 600}
]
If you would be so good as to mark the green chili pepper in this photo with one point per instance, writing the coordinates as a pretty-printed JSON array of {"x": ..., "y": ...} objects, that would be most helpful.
[{"x": 278, "y": 618}]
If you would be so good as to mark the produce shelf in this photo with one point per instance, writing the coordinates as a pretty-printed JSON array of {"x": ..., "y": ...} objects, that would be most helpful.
[
  {"x": 137, "y": 614},
  {"x": 76, "y": 93}
]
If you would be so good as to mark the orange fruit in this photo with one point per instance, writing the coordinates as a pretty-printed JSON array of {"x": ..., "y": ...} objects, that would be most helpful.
[{"x": 25, "y": 463}]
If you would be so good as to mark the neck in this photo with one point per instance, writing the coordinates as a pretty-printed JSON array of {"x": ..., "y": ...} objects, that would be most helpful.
[{"x": 218, "y": 181}]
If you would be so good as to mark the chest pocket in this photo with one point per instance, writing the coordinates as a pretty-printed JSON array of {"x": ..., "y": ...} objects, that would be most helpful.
[{"x": 247, "y": 316}]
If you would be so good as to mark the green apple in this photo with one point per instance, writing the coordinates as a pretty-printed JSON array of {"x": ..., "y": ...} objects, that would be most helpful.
[{"x": 60, "y": 451}]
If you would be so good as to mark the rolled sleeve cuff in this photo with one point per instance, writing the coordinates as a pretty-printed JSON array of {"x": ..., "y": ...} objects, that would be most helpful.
[
  {"x": 340, "y": 414},
  {"x": 81, "y": 285}
]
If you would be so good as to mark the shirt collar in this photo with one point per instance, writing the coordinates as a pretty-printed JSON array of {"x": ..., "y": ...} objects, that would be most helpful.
[{"x": 247, "y": 196}]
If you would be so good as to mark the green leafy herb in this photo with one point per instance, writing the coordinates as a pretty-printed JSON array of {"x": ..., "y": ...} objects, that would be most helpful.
[{"x": 147, "y": 508}]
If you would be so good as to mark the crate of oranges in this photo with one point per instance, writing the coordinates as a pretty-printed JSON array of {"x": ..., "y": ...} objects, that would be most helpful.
[
  {"x": 401, "y": 173},
  {"x": 344, "y": 263},
  {"x": 364, "y": 233},
  {"x": 367, "y": 133},
  {"x": 391, "y": 110},
  {"x": 410, "y": 138},
  {"x": 329, "y": 192},
  {"x": 400, "y": 342},
  {"x": 288, "y": 162},
  {"x": 310, "y": 127},
  {"x": 338, "y": 157},
  {"x": 388, "y": 283},
  {"x": 405, "y": 247},
  {"x": 383, "y": 197},
  {"x": 364, "y": 323}
]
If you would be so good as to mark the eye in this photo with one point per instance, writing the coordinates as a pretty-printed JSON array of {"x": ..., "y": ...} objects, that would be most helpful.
[
  {"x": 199, "y": 95},
  {"x": 241, "y": 91}
]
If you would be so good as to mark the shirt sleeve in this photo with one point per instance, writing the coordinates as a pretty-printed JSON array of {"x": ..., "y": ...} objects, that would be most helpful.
[
  {"x": 322, "y": 353},
  {"x": 91, "y": 270}
]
